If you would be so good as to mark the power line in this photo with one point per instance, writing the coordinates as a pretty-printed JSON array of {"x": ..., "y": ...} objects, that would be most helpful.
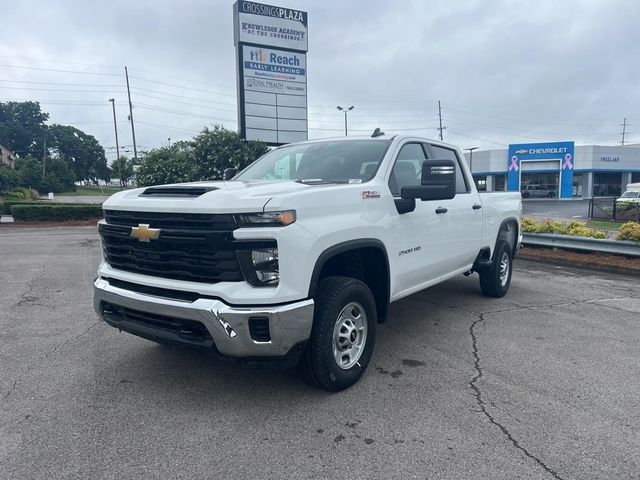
[
  {"x": 105, "y": 85},
  {"x": 61, "y": 71}
]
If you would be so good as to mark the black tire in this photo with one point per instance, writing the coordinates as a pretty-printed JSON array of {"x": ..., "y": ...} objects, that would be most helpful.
[
  {"x": 551, "y": 195},
  {"x": 319, "y": 364},
  {"x": 525, "y": 194},
  {"x": 492, "y": 281}
]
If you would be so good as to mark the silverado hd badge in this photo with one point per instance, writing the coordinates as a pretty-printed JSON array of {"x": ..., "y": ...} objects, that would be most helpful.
[{"x": 145, "y": 234}]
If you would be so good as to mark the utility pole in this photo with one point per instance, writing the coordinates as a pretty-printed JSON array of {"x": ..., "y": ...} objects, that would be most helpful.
[
  {"x": 440, "y": 115},
  {"x": 44, "y": 156},
  {"x": 115, "y": 128},
  {"x": 133, "y": 130},
  {"x": 624, "y": 129},
  {"x": 345, "y": 110}
]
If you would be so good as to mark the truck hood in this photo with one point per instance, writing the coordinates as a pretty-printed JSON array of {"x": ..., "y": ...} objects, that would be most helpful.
[{"x": 223, "y": 197}]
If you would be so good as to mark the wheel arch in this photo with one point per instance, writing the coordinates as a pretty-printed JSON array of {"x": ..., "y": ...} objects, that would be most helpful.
[
  {"x": 365, "y": 259},
  {"x": 508, "y": 231}
]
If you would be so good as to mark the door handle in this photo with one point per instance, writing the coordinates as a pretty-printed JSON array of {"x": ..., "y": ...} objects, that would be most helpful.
[
  {"x": 441, "y": 210},
  {"x": 476, "y": 206}
]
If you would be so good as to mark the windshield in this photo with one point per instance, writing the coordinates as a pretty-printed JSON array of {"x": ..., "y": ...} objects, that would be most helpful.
[
  {"x": 630, "y": 194},
  {"x": 337, "y": 161}
]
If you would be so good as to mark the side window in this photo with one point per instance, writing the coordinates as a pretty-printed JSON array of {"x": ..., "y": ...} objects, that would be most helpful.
[
  {"x": 407, "y": 170},
  {"x": 442, "y": 153}
]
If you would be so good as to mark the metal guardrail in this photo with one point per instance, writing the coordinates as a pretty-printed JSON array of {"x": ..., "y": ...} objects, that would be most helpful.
[{"x": 584, "y": 244}]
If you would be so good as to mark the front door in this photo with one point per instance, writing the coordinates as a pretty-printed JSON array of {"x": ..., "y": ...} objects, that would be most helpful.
[{"x": 419, "y": 237}]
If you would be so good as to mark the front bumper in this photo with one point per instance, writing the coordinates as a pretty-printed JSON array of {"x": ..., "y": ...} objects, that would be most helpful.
[{"x": 181, "y": 322}]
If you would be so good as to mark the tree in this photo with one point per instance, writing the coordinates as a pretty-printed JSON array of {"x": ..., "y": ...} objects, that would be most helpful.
[
  {"x": 58, "y": 178},
  {"x": 122, "y": 168},
  {"x": 9, "y": 178},
  {"x": 22, "y": 127},
  {"x": 83, "y": 152},
  {"x": 167, "y": 165},
  {"x": 220, "y": 148}
]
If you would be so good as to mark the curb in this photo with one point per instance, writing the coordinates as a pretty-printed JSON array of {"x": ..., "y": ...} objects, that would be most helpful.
[{"x": 561, "y": 260}]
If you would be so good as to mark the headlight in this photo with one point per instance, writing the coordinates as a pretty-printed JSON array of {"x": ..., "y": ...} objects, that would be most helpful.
[
  {"x": 260, "y": 266},
  {"x": 267, "y": 219}
]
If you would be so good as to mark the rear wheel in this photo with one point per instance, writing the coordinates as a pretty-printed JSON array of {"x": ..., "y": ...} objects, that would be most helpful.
[
  {"x": 495, "y": 280},
  {"x": 343, "y": 334}
]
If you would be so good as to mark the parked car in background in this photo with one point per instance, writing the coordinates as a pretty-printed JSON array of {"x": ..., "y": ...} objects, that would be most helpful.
[
  {"x": 631, "y": 195},
  {"x": 537, "y": 191}
]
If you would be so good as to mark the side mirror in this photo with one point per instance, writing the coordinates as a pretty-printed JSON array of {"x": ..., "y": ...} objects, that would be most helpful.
[
  {"x": 229, "y": 173},
  {"x": 438, "y": 182}
]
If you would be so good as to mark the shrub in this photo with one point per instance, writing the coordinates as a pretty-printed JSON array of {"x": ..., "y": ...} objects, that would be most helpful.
[
  {"x": 55, "y": 212},
  {"x": 5, "y": 206},
  {"x": 629, "y": 231},
  {"x": 24, "y": 192},
  {"x": 573, "y": 228}
]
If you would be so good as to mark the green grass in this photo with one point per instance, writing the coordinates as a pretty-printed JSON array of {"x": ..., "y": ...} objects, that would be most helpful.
[
  {"x": 91, "y": 191},
  {"x": 604, "y": 224}
]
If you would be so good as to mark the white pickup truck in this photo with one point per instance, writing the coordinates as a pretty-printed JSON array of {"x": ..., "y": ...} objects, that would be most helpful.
[{"x": 298, "y": 257}]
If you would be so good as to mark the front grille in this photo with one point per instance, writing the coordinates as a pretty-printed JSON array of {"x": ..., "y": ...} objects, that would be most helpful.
[
  {"x": 191, "y": 221},
  {"x": 172, "y": 328},
  {"x": 180, "y": 255},
  {"x": 191, "y": 247}
]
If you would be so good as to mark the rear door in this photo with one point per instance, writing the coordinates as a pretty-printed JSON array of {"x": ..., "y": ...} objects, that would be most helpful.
[{"x": 464, "y": 215}]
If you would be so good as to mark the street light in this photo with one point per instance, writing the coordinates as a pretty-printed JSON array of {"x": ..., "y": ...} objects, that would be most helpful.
[
  {"x": 471, "y": 149},
  {"x": 345, "y": 110},
  {"x": 115, "y": 128}
]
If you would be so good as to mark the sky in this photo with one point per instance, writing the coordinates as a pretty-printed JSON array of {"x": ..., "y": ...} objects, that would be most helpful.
[{"x": 505, "y": 71}]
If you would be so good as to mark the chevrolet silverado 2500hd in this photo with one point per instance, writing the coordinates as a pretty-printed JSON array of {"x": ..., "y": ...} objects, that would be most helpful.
[{"x": 299, "y": 255}]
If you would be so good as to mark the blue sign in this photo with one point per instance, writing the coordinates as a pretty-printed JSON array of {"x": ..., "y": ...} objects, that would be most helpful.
[{"x": 562, "y": 151}]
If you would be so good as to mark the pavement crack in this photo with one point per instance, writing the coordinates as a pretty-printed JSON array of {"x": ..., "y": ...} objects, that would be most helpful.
[
  {"x": 477, "y": 393},
  {"x": 28, "y": 297},
  {"x": 43, "y": 357}
]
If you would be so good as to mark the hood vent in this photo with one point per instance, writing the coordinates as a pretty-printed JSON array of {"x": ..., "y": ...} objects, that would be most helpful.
[{"x": 176, "y": 191}]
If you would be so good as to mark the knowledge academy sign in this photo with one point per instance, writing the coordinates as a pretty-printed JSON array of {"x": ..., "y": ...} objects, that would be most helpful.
[{"x": 262, "y": 24}]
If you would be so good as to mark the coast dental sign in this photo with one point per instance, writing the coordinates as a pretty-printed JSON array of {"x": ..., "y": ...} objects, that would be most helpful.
[
  {"x": 272, "y": 81},
  {"x": 542, "y": 152}
]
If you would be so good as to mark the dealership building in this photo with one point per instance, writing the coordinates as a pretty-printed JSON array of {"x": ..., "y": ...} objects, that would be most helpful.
[{"x": 560, "y": 169}]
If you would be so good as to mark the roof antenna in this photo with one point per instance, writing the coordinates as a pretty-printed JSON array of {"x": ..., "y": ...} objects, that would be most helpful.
[{"x": 377, "y": 133}]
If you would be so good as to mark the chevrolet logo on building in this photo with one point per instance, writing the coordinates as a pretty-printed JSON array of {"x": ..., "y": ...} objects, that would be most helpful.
[
  {"x": 145, "y": 234},
  {"x": 521, "y": 152}
]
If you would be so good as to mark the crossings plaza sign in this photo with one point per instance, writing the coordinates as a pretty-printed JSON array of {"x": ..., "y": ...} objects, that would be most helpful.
[{"x": 271, "y": 45}]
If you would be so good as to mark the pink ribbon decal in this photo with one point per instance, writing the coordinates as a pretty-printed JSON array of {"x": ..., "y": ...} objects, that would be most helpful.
[
  {"x": 514, "y": 163},
  {"x": 567, "y": 162}
]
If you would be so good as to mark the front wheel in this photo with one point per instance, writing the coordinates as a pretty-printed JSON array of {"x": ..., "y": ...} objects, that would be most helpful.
[
  {"x": 343, "y": 334},
  {"x": 495, "y": 280}
]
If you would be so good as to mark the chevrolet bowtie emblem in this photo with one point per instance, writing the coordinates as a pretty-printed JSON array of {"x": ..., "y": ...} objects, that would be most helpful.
[{"x": 143, "y": 233}]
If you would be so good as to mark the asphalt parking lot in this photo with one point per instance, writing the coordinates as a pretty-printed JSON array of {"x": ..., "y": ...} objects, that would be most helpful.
[{"x": 544, "y": 383}]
